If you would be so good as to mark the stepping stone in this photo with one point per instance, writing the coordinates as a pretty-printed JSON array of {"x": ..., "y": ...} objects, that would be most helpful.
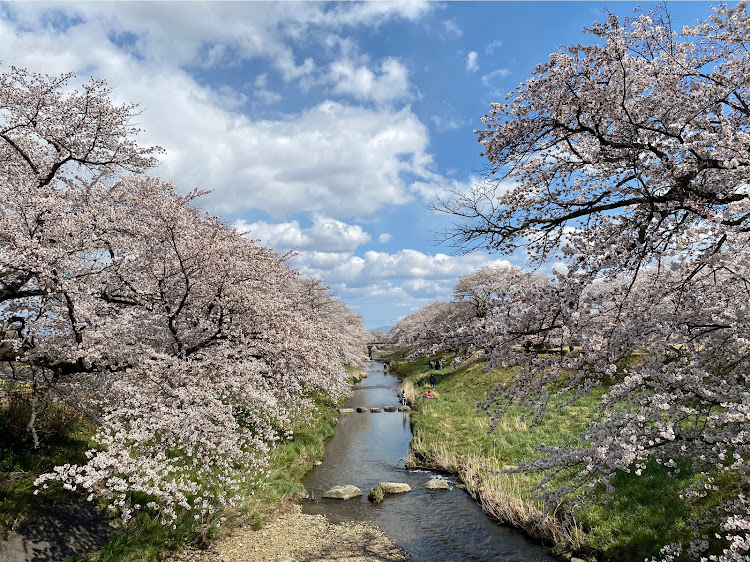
[
  {"x": 362, "y": 409},
  {"x": 346, "y": 410},
  {"x": 343, "y": 492},
  {"x": 375, "y": 410},
  {"x": 394, "y": 487},
  {"x": 404, "y": 409},
  {"x": 390, "y": 408}
]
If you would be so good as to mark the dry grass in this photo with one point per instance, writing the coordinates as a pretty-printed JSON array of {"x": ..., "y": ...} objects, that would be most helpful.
[
  {"x": 506, "y": 497},
  {"x": 411, "y": 391}
]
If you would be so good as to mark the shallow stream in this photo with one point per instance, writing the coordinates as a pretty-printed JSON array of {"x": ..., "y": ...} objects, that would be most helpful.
[{"x": 430, "y": 525}]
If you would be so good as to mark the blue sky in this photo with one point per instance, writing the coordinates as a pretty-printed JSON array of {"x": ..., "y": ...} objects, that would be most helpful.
[{"x": 325, "y": 128}]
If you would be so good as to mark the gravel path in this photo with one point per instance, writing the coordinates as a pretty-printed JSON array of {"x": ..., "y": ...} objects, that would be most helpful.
[{"x": 292, "y": 535}]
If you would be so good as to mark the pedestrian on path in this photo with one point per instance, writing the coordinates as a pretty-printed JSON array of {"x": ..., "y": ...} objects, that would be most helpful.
[{"x": 433, "y": 381}]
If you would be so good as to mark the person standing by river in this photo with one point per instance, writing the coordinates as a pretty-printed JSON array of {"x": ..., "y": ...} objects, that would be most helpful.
[{"x": 433, "y": 381}]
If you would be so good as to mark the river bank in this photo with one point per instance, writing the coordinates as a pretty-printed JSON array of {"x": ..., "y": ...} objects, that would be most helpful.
[
  {"x": 291, "y": 534},
  {"x": 452, "y": 437},
  {"x": 371, "y": 446},
  {"x": 631, "y": 521},
  {"x": 267, "y": 504},
  {"x": 273, "y": 526}
]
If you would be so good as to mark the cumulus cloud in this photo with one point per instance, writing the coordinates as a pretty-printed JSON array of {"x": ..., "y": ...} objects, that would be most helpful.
[
  {"x": 404, "y": 265},
  {"x": 375, "y": 13},
  {"x": 325, "y": 235},
  {"x": 440, "y": 187},
  {"x": 261, "y": 91},
  {"x": 215, "y": 33},
  {"x": 360, "y": 159},
  {"x": 471, "y": 62},
  {"x": 384, "y": 238},
  {"x": 446, "y": 123},
  {"x": 389, "y": 84},
  {"x": 361, "y": 155}
]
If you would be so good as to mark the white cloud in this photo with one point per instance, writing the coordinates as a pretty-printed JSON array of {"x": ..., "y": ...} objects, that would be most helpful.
[
  {"x": 427, "y": 288},
  {"x": 489, "y": 49},
  {"x": 471, "y": 62},
  {"x": 446, "y": 123},
  {"x": 333, "y": 158},
  {"x": 441, "y": 187},
  {"x": 361, "y": 83},
  {"x": 215, "y": 33},
  {"x": 325, "y": 235},
  {"x": 261, "y": 91},
  {"x": 267, "y": 97},
  {"x": 384, "y": 238},
  {"x": 357, "y": 165},
  {"x": 490, "y": 78},
  {"x": 404, "y": 265},
  {"x": 375, "y": 13},
  {"x": 452, "y": 29}
]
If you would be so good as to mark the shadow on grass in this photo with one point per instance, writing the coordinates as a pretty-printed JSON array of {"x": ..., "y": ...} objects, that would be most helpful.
[{"x": 58, "y": 533}]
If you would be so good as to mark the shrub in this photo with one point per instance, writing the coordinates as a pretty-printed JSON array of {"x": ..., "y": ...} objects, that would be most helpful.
[{"x": 376, "y": 494}]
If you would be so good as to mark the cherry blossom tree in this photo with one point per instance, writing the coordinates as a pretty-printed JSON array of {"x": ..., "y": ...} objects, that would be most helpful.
[
  {"x": 629, "y": 158},
  {"x": 379, "y": 336},
  {"x": 485, "y": 285},
  {"x": 423, "y": 331},
  {"x": 190, "y": 346},
  {"x": 344, "y": 328}
]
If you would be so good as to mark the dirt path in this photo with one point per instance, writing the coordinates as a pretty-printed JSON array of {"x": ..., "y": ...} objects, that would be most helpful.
[{"x": 292, "y": 535}]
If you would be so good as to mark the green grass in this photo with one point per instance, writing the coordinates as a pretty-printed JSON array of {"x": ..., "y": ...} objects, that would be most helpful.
[
  {"x": 20, "y": 466},
  {"x": 642, "y": 514},
  {"x": 291, "y": 460},
  {"x": 645, "y": 513},
  {"x": 145, "y": 539}
]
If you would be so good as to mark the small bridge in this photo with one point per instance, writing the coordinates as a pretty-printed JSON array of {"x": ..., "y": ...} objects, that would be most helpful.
[{"x": 382, "y": 348}]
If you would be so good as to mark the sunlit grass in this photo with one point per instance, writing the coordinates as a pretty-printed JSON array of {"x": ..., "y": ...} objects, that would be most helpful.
[
  {"x": 145, "y": 539},
  {"x": 632, "y": 523}
]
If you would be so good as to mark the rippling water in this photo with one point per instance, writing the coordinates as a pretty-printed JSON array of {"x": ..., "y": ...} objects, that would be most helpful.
[{"x": 431, "y": 525}]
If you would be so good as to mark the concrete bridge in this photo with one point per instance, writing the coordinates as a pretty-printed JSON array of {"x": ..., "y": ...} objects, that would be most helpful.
[{"x": 380, "y": 348}]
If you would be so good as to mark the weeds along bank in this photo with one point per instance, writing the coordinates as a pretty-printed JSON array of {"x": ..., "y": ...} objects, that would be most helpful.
[
  {"x": 144, "y": 538},
  {"x": 628, "y": 523}
]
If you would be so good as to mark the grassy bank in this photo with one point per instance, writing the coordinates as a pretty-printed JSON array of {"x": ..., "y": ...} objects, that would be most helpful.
[
  {"x": 64, "y": 437},
  {"x": 642, "y": 514},
  {"x": 145, "y": 538}
]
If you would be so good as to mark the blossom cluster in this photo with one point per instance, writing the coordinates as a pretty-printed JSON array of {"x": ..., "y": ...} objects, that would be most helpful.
[
  {"x": 190, "y": 346},
  {"x": 628, "y": 159}
]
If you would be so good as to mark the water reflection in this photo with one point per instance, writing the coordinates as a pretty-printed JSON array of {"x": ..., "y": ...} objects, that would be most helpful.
[{"x": 431, "y": 525}]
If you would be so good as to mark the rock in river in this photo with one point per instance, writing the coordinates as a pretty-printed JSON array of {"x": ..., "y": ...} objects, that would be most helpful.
[
  {"x": 437, "y": 484},
  {"x": 394, "y": 487},
  {"x": 343, "y": 492}
]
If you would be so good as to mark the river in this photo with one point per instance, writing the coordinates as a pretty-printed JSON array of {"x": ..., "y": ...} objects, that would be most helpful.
[{"x": 430, "y": 525}]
